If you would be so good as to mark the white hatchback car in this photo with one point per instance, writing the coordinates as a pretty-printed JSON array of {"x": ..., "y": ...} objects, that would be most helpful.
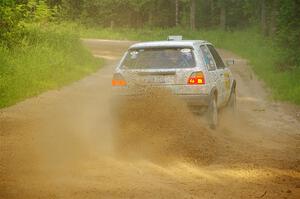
[{"x": 192, "y": 69}]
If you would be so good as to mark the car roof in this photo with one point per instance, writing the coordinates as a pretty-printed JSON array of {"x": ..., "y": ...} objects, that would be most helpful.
[{"x": 158, "y": 44}]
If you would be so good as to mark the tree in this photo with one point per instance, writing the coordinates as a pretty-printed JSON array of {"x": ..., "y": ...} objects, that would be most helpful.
[
  {"x": 72, "y": 9},
  {"x": 274, "y": 13},
  {"x": 288, "y": 33},
  {"x": 193, "y": 14},
  {"x": 176, "y": 12},
  {"x": 223, "y": 14},
  {"x": 263, "y": 20}
]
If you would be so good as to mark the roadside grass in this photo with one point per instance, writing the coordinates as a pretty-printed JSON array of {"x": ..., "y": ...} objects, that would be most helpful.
[
  {"x": 48, "y": 58},
  {"x": 262, "y": 54}
]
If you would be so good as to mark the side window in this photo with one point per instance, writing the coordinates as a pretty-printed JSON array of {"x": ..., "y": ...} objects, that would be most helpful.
[
  {"x": 218, "y": 59},
  {"x": 208, "y": 59}
]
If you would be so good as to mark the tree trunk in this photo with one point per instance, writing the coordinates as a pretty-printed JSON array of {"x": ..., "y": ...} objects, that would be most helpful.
[
  {"x": 212, "y": 11},
  {"x": 112, "y": 24},
  {"x": 263, "y": 19},
  {"x": 193, "y": 14},
  {"x": 150, "y": 19},
  {"x": 273, "y": 17},
  {"x": 176, "y": 13},
  {"x": 223, "y": 16}
]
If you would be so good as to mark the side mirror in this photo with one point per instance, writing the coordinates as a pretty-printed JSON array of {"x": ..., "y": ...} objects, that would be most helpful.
[{"x": 230, "y": 62}]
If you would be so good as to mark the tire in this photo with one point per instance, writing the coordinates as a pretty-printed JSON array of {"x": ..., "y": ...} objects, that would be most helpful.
[
  {"x": 232, "y": 102},
  {"x": 213, "y": 113}
]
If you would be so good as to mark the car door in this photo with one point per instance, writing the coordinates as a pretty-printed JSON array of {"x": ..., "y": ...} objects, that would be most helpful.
[
  {"x": 221, "y": 74},
  {"x": 211, "y": 68}
]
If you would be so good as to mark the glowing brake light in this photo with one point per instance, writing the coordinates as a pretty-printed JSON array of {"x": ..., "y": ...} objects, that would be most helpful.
[
  {"x": 197, "y": 78},
  {"x": 118, "y": 80}
]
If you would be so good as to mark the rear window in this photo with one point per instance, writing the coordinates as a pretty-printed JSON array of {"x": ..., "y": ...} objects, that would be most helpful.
[{"x": 159, "y": 58}]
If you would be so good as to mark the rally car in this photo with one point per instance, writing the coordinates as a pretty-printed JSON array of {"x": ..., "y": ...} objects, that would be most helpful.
[{"x": 191, "y": 69}]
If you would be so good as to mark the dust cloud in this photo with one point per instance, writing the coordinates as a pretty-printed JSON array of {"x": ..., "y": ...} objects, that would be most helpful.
[
  {"x": 56, "y": 146},
  {"x": 159, "y": 126}
]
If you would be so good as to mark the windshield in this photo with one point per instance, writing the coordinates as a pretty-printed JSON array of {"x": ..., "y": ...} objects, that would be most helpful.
[{"x": 160, "y": 58}]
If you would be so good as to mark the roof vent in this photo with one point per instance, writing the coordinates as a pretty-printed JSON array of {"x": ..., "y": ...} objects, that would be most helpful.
[{"x": 174, "y": 38}]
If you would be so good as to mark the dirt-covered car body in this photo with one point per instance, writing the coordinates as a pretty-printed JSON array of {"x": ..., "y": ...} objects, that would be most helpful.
[{"x": 190, "y": 69}]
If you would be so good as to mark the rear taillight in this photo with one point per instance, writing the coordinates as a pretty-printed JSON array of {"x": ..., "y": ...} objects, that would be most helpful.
[
  {"x": 118, "y": 80},
  {"x": 196, "y": 78}
]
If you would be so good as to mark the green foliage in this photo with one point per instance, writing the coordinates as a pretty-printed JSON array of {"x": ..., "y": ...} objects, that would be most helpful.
[
  {"x": 289, "y": 33},
  {"x": 159, "y": 13},
  {"x": 14, "y": 16},
  {"x": 38, "y": 11},
  {"x": 125, "y": 13},
  {"x": 35, "y": 54},
  {"x": 49, "y": 58},
  {"x": 10, "y": 16}
]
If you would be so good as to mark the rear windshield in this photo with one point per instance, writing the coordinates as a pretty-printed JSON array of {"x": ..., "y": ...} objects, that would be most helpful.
[{"x": 159, "y": 58}]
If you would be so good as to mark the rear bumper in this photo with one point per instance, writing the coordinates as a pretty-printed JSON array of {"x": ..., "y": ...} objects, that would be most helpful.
[
  {"x": 195, "y": 100},
  {"x": 192, "y": 95},
  {"x": 190, "y": 100}
]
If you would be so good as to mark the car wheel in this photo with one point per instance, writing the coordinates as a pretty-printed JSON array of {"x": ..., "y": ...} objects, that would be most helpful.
[{"x": 213, "y": 113}]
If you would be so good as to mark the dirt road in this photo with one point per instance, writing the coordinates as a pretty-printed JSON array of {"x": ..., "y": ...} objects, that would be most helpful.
[{"x": 61, "y": 145}]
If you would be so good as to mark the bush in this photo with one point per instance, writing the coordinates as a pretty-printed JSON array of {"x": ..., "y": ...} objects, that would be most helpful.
[
  {"x": 48, "y": 58},
  {"x": 288, "y": 34}
]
